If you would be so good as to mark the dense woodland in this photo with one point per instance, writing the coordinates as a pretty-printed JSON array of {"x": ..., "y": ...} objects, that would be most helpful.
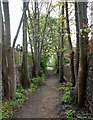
[{"x": 47, "y": 43}]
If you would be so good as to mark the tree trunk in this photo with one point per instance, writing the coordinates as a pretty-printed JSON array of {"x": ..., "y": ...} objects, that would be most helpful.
[
  {"x": 1, "y": 22},
  {"x": 5, "y": 78},
  {"x": 9, "y": 50},
  {"x": 83, "y": 55},
  {"x": 25, "y": 77},
  {"x": 77, "y": 40},
  {"x": 36, "y": 66},
  {"x": 70, "y": 48},
  {"x": 61, "y": 57},
  {"x": 57, "y": 64}
]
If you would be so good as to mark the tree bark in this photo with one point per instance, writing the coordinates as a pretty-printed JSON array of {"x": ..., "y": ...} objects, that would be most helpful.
[
  {"x": 9, "y": 50},
  {"x": 1, "y": 22},
  {"x": 77, "y": 40},
  {"x": 70, "y": 48},
  {"x": 57, "y": 64},
  {"x": 25, "y": 77},
  {"x": 61, "y": 57},
  {"x": 83, "y": 55}
]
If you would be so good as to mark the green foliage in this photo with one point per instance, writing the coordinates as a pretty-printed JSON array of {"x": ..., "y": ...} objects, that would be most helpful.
[
  {"x": 20, "y": 96},
  {"x": 69, "y": 114},
  {"x": 29, "y": 58},
  {"x": 0, "y": 110},
  {"x": 17, "y": 100},
  {"x": 66, "y": 98},
  {"x": 38, "y": 81},
  {"x": 82, "y": 117},
  {"x": 65, "y": 88},
  {"x": 18, "y": 55},
  {"x": 44, "y": 59},
  {"x": 55, "y": 64},
  {"x": 52, "y": 62},
  {"x": 85, "y": 31},
  {"x": 32, "y": 88},
  {"x": 66, "y": 61}
]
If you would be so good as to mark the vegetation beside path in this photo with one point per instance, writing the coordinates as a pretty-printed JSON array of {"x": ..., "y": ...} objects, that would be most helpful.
[
  {"x": 21, "y": 95},
  {"x": 68, "y": 109}
]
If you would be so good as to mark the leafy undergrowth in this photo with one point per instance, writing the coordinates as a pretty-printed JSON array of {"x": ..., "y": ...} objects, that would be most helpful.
[
  {"x": 9, "y": 106},
  {"x": 71, "y": 113}
]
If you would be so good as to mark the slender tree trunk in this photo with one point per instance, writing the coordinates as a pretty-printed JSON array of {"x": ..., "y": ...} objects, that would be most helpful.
[
  {"x": 74, "y": 90},
  {"x": 36, "y": 40},
  {"x": 83, "y": 55},
  {"x": 1, "y": 22},
  {"x": 70, "y": 48},
  {"x": 44, "y": 29},
  {"x": 61, "y": 57},
  {"x": 57, "y": 64},
  {"x": 25, "y": 77},
  {"x": 77, "y": 40},
  {"x": 38, "y": 20},
  {"x": 31, "y": 41}
]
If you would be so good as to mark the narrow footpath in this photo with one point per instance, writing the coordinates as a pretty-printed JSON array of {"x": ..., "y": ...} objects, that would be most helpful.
[{"x": 44, "y": 103}]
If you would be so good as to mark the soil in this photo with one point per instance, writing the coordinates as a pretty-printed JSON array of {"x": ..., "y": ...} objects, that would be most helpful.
[{"x": 44, "y": 103}]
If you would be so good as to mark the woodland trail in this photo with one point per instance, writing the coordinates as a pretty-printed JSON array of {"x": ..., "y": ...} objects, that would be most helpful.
[{"x": 44, "y": 102}]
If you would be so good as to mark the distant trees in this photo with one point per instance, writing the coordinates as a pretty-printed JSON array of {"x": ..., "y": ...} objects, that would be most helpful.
[{"x": 37, "y": 32}]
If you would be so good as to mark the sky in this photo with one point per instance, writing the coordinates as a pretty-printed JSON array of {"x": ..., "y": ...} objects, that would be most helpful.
[{"x": 15, "y": 6}]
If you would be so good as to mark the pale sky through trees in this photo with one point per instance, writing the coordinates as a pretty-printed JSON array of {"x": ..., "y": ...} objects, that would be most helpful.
[{"x": 15, "y": 7}]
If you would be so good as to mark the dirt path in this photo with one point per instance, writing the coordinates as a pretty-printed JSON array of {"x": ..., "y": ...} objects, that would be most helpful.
[{"x": 44, "y": 102}]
